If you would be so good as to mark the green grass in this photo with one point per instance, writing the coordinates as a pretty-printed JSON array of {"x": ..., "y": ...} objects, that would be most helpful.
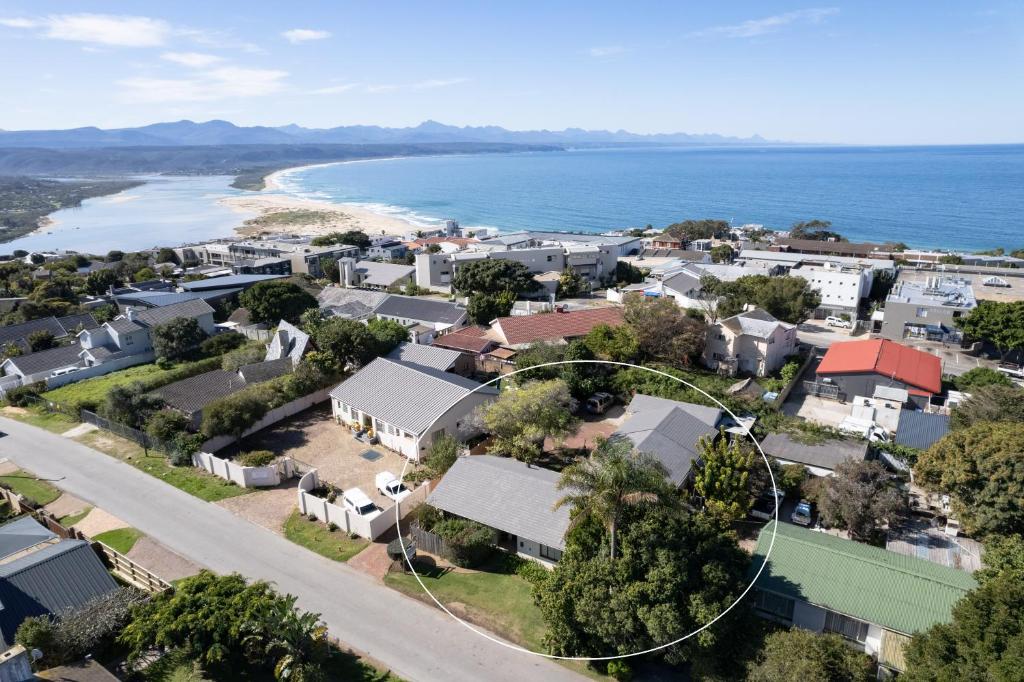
[
  {"x": 315, "y": 536},
  {"x": 193, "y": 481},
  {"x": 72, "y": 519},
  {"x": 498, "y": 601},
  {"x": 121, "y": 540},
  {"x": 54, "y": 422},
  {"x": 26, "y": 485}
]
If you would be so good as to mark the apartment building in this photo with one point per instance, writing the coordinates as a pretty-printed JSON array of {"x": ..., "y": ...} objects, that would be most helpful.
[
  {"x": 263, "y": 256},
  {"x": 595, "y": 263},
  {"x": 928, "y": 309}
]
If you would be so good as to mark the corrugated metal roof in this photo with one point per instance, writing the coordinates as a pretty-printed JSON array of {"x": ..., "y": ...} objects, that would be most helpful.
[
  {"x": 827, "y": 455},
  {"x": 155, "y": 316},
  {"x": 505, "y": 494},
  {"x": 20, "y": 534},
  {"x": 424, "y": 356},
  {"x": 898, "y": 592},
  {"x": 406, "y": 396},
  {"x": 227, "y": 282},
  {"x": 920, "y": 429}
]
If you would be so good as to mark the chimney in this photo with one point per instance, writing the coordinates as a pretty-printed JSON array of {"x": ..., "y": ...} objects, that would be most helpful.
[{"x": 129, "y": 314}]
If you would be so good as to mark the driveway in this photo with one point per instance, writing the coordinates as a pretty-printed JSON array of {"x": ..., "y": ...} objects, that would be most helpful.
[{"x": 416, "y": 641}]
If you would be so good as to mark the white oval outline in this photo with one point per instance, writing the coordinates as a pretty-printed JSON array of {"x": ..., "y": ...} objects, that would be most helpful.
[{"x": 516, "y": 647}]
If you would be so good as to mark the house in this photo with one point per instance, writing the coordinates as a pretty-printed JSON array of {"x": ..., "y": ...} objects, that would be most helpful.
[
  {"x": 227, "y": 282},
  {"x": 920, "y": 430},
  {"x": 471, "y": 342},
  {"x": 408, "y": 401},
  {"x": 368, "y": 274},
  {"x": 42, "y": 365},
  {"x": 858, "y": 367},
  {"x": 350, "y": 304},
  {"x": 42, "y": 574},
  {"x": 927, "y": 310},
  {"x": 752, "y": 342},
  {"x": 873, "y": 598},
  {"x": 389, "y": 250},
  {"x": 408, "y": 311},
  {"x": 669, "y": 430},
  {"x": 288, "y": 342},
  {"x": 820, "y": 459},
  {"x": 817, "y": 247},
  {"x": 158, "y": 299},
  {"x": 514, "y": 498},
  {"x": 518, "y": 332},
  {"x": 59, "y": 327},
  {"x": 683, "y": 285}
]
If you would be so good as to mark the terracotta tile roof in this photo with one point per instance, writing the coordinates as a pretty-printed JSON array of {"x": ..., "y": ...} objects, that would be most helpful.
[
  {"x": 888, "y": 358},
  {"x": 518, "y": 330},
  {"x": 469, "y": 339}
]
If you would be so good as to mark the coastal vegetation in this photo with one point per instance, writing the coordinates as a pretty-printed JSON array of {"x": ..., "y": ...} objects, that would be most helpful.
[
  {"x": 25, "y": 202},
  {"x": 289, "y": 217},
  {"x": 817, "y": 230}
]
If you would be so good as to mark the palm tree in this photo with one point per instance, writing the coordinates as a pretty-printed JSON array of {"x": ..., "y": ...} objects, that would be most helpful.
[
  {"x": 295, "y": 640},
  {"x": 615, "y": 476}
]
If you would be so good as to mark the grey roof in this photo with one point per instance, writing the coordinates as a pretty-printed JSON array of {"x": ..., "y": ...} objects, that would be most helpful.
[
  {"x": 423, "y": 309},
  {"x": 55, "y": 578},
  {"x": 420, "y": 355},
  {"x": 123, "y": 325},
  {"x": 642, "y": 402},
  {"x": 946, "y": 294},
  {"x": 13, "y": 332},
  {"x": 155, "y": 316},
  {"x": 71, "y": 323},
  {"x": 410, "y": 397},
  {"x": 156, "y": 299},
  {"x": 229, "y": 281},
  {"x": 505, "y": 494},
  {"x": 193, "y": 394},
  {"x": 757, "y": 322},
  {"x": 22, "y": 533},
  {"x": 920, "y": 429},
  {"x": 682, "y": 282},
  {"x": 383, "y": 274},
  {"x": 826, "y": 455},
  {"x": 105, "y": 352},
  {"x": 288, "y": 342},
  {"x": 339, "y": 296},
  {"x": 47, "y": 360},
  {"x": 265, "y": 371}
]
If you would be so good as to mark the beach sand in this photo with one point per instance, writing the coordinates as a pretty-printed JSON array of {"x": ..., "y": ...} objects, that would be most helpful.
[{"x": 299, "y": 216}]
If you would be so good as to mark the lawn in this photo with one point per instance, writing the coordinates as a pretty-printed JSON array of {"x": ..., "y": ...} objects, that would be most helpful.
[
  {"x": 120, "y": 540},
  {"x": 498, "y": 601},
  {"x": 193, "y": 481},
  {"x": 72, "y": 519},
  {"x": 54, "y": 422},
  {"x": 315, "y": 536},
  {"x": 26, "y": 485}
]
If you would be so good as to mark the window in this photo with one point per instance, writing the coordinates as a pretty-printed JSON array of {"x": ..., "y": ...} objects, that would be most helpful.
[
  {"x": 550, "y": 258},
  {"x": 850, "y": 628},
  {"x": 775, "y": 604},
  {"x": 922, "y": 312},
  {"x": 549, "y": 552}
]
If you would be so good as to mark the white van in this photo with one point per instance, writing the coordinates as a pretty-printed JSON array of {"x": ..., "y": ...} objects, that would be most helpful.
[
  {"x": 834, "y": 321},
  {"x": 356, "y": 501}
]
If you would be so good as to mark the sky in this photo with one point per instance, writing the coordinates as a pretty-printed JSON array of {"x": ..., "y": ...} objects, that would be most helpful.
[{"x": 910, "y": 72}]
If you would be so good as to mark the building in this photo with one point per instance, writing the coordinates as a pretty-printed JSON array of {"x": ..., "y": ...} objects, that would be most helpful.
[
  {"x": 409, "y": 311},
  {"x": 920, "y": 430},
  {"x": 42, "y": 574},
  {"x": 520, "y": 331},
  {"x": 227, "y": 282},
  {"x": 289, "y": 342},
  {"x": 368, "y": 274},
  {"x": 388, "y": 250},
  {"x": 819, "y": 247},
  {"x": 285, "y": 256},
  {"x": 669, "y": 430},
  {"x": 41, "y": 365},
  {"x": 873, "y": 598},
  {"x": 409, "y": 401},
  {"x": 752, "y": 342},
  {"x": 58, "y": 327},
  {"x": 927, "y": 310},
  {"x": 857, "y": 368},
  {"x": 683, "y": 285},
  {"x": 350, "y": 304},
  {"x": 516, "y": 499},
  {"x": 819, "y": 459}
]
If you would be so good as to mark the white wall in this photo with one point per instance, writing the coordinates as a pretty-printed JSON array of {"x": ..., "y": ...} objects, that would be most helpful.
[
  {"x": 99, "y": 370},
  {"x": 247, "y": 477},
  {"x": 369, "y": 528}
]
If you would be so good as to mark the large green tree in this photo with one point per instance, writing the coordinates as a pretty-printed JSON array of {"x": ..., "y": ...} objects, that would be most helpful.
[
  {"x": 618, "y": 344},
  {"x": 663, "y": 331},
  {"x": 982, "y": 468},
  {"x": 520, "y": 419},
  {"x": 483, "y": 308},
  {"x": 999, "y": 323},
  {"x": 388, "y": 334},
  {"x": 688, "y": 230},
  {"x": 722, "y": 479},
  {"x": 584, "y": 378},
  {"x": 350, "y": 238},
  {"x": 790, "y": 299},
  {"x": 176, "y": 337},
  {"x": 861, "y": 497},
  {"x": 274, "y": 300},
  {"x": 817, "y": 230},
  {"x": 798, "y": 655},
  {"x": 130, "y": 405},
  {"x": 349, "y": 343},
  {"x": 993, "y": 403},
  {"x": 494, "y": 276}
]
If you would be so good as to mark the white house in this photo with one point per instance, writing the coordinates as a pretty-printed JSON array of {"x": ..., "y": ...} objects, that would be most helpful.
[{"x": 751, "y": 342}]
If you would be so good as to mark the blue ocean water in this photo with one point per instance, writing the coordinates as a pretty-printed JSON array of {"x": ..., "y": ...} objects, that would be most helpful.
[{"x": 969, "y": 197}]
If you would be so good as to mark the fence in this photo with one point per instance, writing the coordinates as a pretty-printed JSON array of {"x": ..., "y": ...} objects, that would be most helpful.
[
  {"x": 823, "y": 390},
  {"x": 247, "y": 477},
  {"x": 272, "y": 417},
  {"x": 429, "y": 542},
  {"x": 786, "y": 390},
  {"x": 371, "y": 527},
  {"x": 140, "y": 437}
]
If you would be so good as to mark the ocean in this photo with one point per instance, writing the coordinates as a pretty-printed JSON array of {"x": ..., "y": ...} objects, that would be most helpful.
[{"x": 966, "y": 197}]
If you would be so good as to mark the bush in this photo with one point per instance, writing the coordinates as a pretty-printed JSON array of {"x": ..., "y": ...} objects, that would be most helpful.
[
  {"x": 221, "y": 343},
  {"x": 164, "y": 363},
  {"x": 24, "y": 396},
  {"x": 256, "y": 458},
  {"x": 620, "y": 670},
  {"x": 244, "y": 355},
  {"x": 39, "y": 632},
  {"x": 332, "y": 526},
  {"x": 531, "y": 571},
  {"x": 469, "y": 543},
  {"x": 166, "y": 425}
]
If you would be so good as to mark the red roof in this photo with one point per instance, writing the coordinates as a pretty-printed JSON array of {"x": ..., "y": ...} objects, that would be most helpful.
[
  {"x": 469, "y": 339},
  {"x": 890, "y": 359},
  {"x": 522, "y": 329}
]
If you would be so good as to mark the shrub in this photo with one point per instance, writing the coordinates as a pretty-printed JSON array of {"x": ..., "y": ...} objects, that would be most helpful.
[
  {"x": 164, "y": 363},
  {"x": 332, "y": 526},
  {"x": 469, "y": 543},
  {"x": 244, "y": 355},
  {"x": 39, "y": 632},
  {"x": 166, "y": 425},
  {"x": 24, "y": 396},
  {"x": 620, "y": 670},
  {"x": 531, "y": 571},
  {"x": 221, "y": 343},
  {"x": 256, "y": 458}
]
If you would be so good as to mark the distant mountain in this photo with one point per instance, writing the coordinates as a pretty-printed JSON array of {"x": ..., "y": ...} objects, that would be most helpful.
[{"x": 190, "y": 133}]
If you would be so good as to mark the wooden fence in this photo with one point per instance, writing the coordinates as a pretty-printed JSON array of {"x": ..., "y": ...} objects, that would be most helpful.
[{"x": 429, "y": 542}]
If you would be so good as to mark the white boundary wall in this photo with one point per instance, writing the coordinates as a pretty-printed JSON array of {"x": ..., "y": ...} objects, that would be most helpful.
[
  {"x": 247, "y": 477},
  {"x": 100, "y": 370},
  {"x": 272, "y": 417},
  {"x": 328, "y": 512}
]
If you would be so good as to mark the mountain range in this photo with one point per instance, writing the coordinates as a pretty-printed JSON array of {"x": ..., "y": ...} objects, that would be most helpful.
[{"x": 190, "y": 133}]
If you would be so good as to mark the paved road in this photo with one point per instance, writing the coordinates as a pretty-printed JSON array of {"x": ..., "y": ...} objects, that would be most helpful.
[{"x": 417, "y": 642}]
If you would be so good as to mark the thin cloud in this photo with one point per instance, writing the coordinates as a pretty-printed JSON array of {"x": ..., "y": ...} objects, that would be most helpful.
[
  {"x": 429, "y": 84},
  {"x": 194, "y": 60},
  {"x": 606, "y": 51},
  {"x": 106, "y": 29},
  {"x": 302, "y": 35},
  {"x": 18, "y": 22},
  {"x": 757, "y": 27},
  {"x": 221, "y": 83},
  {"x": 334, "y": 89}
]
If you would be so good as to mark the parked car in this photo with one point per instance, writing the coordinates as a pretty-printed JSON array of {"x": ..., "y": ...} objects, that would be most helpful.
[
  {"x": 765, "y": 505},
  {"x": 599, "y": 402},
  {"x": 833, "y": 321},
  {"x": 803, "y": 513},
  {"x": 389, "y": 486},
  {"x": 356, "y": 501}
]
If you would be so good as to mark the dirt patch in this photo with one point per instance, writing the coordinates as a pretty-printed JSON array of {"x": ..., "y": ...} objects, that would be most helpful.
[
  {"x": 98, "y": 521},
  {"x": 268, "y": 508},
  {"x": 153, "y": 556},
  {"x": 66, "y": 505},
  {"x": 12, "y": 410},
  {"x": 8, "y": 467},
  {"x": 79, "y": 430}
]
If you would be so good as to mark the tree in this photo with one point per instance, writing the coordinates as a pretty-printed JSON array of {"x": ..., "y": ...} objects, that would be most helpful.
[
  {"x": 663, "y": 331},
  {"x": 980, "y": 377},
  {"x": 520, "y": 420},
  {"x": 618, "y": 344},
  {"x": 114, "y": 256},
  {"x": 627, "y": 273},
  {"x": 1003, "y": 554},
  {"x": 484, "y": 308},
  {"x": 274, "y": 300},
  {"x": 583, "y": 380},
  {"x": 98, "y": 282},
  {"x": 615, "y": 476},
  {"x": 167, "y": 255},
  {"x": 860, "y": 497},
  {"x": 144, "y": 275},
  {"x": 981, "y": 469},
  {"x": 790, "y": 299},
  {"x": 350, "y": 238},
  {"x": 233, "y": 414},
  {"x": 571, "y": 284},
  {"x": 130, "y": 405},
  {"x": 443, "y": 453},
  {"x": 293, "y": 640},
  {"x": 350, "y": 343},
  {"x": 992, "y": 403},
  {"x": 221, "y": 343},
  {"x": 723, "y": 477},
  {"x": 816, "y": 230},
  {"x": 41, "y": 340},
  {"x": 166, "y": 425},
  {"x": 951, "y": 259},
  {"x": 722, "y": 253},
  {"x": 176, "y": 337},
  {"x": 688, "y": 230},
  {"x": 1001, "y": 324},
  {"x": 494, "y": 276},
  {"x": 983, "y": 641},
  {"x": 799, "y": 655},
  {"x": 388, "y": 334},
  {"x": 539, "y": 353}
]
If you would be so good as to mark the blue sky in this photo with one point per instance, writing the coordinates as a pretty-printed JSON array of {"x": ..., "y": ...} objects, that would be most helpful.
[{"x": 928, "y": 72}]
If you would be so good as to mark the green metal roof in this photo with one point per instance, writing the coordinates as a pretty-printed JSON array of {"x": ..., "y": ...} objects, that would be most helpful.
[{"x": 901, "y": 593}]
